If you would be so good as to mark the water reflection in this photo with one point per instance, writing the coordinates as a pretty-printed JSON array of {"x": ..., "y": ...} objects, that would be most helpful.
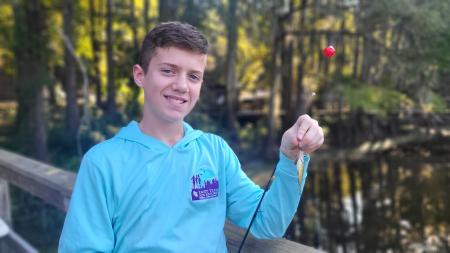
[{"x": 396, "y": 202}]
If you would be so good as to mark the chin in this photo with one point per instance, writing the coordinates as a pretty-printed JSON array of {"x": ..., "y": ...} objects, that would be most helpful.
[
  {"x": 173, "y": 116},
  {"x": 175, "y": 119}
]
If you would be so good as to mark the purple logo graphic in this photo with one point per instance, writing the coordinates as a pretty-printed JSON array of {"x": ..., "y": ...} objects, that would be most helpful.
[{"x": 204, "y": 185}]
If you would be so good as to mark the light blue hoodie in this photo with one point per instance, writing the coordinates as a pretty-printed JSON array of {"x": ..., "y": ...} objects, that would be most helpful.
[{"x": 134, "y": 193}]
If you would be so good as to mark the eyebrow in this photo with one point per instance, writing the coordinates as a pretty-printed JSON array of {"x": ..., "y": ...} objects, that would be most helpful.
[{"x": 177, "y": 67}]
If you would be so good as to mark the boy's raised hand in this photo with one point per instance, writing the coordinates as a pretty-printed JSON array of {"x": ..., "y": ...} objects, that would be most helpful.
[{"x": 305, "y": 134}]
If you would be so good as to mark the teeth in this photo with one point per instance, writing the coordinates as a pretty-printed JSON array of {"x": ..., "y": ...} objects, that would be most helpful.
[{"x": 179, "y": 101}]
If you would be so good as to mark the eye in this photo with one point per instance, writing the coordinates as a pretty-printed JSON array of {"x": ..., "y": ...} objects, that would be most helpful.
[
  {"x": 195, "y": 77},
  {"x": 167, "y": 71}
]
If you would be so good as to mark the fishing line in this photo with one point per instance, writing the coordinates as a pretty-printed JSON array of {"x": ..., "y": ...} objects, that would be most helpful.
[
  {"x": 300, "y": 170},
  {"x": 256, "y": 211}
]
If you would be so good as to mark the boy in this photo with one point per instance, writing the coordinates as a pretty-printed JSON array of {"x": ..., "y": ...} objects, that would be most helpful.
[{"x": 161, "y": 186}]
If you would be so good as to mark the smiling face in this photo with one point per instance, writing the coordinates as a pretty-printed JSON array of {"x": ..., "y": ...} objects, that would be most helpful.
[{"x": 171, "y": 83}]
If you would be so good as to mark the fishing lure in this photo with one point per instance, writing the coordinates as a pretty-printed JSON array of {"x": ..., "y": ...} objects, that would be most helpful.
[{"x": 300, "y": 167}]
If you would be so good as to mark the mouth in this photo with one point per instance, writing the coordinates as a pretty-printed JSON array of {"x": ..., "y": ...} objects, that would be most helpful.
[{"x": 175, "y": 99}]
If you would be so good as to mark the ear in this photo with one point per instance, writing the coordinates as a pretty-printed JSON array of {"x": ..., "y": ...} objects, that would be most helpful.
[{"x": 138, "y": 75}]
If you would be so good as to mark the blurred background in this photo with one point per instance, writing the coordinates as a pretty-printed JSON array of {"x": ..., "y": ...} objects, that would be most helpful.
[{"x": 380, "y": 182}]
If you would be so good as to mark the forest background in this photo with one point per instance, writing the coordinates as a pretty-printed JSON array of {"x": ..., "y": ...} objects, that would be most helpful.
[{"x": 380, "y": 182}]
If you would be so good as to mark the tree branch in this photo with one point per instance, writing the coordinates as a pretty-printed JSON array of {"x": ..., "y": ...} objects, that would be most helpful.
[{"x": 85, "y": 119}]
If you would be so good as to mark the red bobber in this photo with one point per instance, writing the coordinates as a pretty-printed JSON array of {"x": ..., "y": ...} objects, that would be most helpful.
[{"x": 329, "y": 51}]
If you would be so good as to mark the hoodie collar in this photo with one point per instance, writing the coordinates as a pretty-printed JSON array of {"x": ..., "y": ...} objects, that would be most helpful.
[{"x": 132, "y": 132}]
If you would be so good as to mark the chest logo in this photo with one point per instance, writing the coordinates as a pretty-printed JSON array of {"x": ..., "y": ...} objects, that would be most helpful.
[{"x": 205, "y": 185}]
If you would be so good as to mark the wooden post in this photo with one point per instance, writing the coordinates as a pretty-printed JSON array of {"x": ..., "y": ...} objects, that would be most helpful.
[
  {"x": 5, "y": 204},
  {"x": 5, "y": 210}
]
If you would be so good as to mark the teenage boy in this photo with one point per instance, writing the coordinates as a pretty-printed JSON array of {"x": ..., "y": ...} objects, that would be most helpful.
[{"x": 161, "y": 186}]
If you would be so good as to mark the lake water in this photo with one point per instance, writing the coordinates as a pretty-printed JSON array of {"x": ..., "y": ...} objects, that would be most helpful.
[{"x": 395, "y": 202}]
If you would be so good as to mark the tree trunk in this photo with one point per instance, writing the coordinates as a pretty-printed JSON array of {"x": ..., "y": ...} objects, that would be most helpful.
[
  {"x": 111, "y": 109},
  {"x": 327, "y": 197},
  {"x": 274, "y": 98},
  {"x": 313, "y": 39},
  {"x": 321, "y": 61},
  {"x": 315, "y": 202},
  {"x": 134, "y": 26},
  {"x": 378, "y": 75},
  {"x": 301, "y": 98},
  {"x": 145, "y": 14},
  {"x": 231, "y": 81},
  {"x": 341, "y": 55},
  {"x": 167, "y": 10},
  {"x": 356, "y": 58},
  {"x": 52, "y": 95},
  {"x": 369, "y": 222},
  {"x": 367, "y": 58},
  {"x": 192, "y": 12},
  {"x": 352, "y": 174},
  {"x": 31, "y": 54},
  {"x": 356, "y": 15},
  {"x": 132, "y": 106},
  {"x": 326, "y": 68},
  {"x": 69, "y": 81},
  {"x": 395, "y": 204},
  {"x": 95, "y": 43},
  {"x": 338, "y": 189},
  {"x": 389, "y": 73},
  {"x": 288, "y": 88}
]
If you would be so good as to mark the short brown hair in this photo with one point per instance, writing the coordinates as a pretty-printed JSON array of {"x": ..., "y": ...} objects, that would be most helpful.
[{"x": 171, "y": 34}]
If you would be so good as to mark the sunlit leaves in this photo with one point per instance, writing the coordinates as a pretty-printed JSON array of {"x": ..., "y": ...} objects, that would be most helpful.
[
  {"x": 251, "y": 55},
  {"x": 433, "y": 102},
  {"x": 6, "y": 28},
  {"x": 376, "y": 99}
]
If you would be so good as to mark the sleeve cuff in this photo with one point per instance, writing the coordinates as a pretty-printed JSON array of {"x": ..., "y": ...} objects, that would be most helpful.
[{"x": 287, "y": 166}]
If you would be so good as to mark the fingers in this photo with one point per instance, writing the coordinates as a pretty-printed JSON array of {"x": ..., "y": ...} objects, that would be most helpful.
[
  {"x": 311, "y": 143},
  {"x": 312, "y": 140},
  {"x": 305, "y": 123},
  {"x": 309, "y": 134},
  {"x": 305, "y": 134}
]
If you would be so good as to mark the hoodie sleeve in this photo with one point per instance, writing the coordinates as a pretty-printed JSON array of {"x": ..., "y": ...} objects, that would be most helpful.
[
  {"x": 88, "y": 226},
  {"x": 279, "y": 204}
]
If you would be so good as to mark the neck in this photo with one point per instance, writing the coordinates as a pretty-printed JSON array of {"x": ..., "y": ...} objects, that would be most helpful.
[{"x": 169, "y": 133}]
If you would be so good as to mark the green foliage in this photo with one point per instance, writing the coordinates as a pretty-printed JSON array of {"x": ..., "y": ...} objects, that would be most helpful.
[
  {"x": 251, "y": 55},
  {"x": 376, "y": 99},
  {"x": 6, "y": 35},
  {"x": 433, "y": 102},
  {"x": 61, "y": 152}
]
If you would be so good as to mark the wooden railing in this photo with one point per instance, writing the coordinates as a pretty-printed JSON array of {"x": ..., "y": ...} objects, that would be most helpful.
[{"x": 54, "y": 186}]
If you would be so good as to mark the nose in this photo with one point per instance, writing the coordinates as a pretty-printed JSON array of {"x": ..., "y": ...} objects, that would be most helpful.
[{"x": 181, "y": 84}]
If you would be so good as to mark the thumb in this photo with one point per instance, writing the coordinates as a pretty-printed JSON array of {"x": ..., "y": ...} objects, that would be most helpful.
[
  {"x": 301, "y": 132},
  {"x": 303, "y": 126}
]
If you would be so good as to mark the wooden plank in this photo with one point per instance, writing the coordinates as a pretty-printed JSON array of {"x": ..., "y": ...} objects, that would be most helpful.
[
  {"x": 4, "y": 231},
  {"x": 14, "y": 243},
  {"x": 235, "y": 234},
  {"x": 49, "y": 183},
  {"x": 5, "y": 203}
]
